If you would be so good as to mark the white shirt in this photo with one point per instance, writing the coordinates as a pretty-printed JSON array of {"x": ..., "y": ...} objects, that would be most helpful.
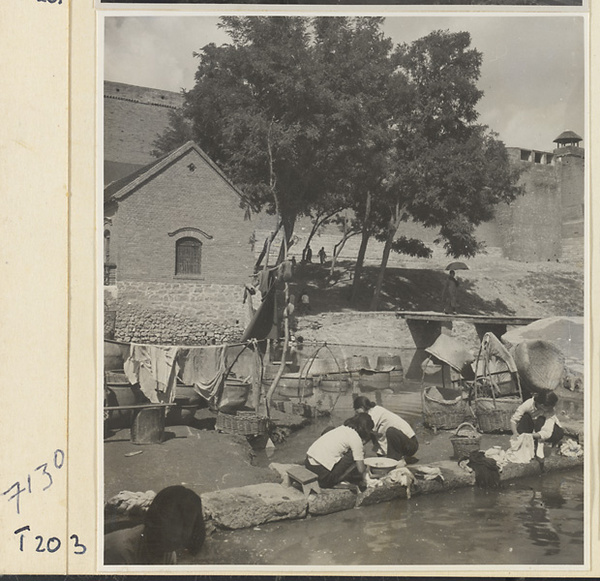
[
  {"x": 330, "y": 447},
  {"x": 384, "y": 419},
  {"x": 529, "y": 407}
]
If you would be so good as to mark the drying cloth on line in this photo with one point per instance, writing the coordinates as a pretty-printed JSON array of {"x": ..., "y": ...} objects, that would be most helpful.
[
  {"x": 131, "y": 503},
  {"x": 204, "y": 368},
  {"x": 571, "y": 449},
  {"x": 522, "y": 449},
  {"x": 154, "y": 368},
  {"x": 262, "y": 322}
]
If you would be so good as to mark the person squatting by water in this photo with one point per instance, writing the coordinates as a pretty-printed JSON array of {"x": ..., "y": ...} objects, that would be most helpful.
[
  {"x": 395, "y": 438},
  {"x": 450, "y": 292},
  {"x": 339, "y": 455},
  {"x": 173, "y": 522},
  {"x": 536, "y": 416}
]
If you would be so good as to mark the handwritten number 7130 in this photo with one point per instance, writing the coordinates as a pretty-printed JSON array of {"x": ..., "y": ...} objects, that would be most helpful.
[
  {"x": 51, "y": 1},
  {"x": 17, "y": 489}
]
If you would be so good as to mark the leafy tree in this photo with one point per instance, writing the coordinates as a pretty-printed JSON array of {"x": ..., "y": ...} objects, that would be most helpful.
[
  {"x": 446, "y": 170},
  {"x": 255, "y": 110}
]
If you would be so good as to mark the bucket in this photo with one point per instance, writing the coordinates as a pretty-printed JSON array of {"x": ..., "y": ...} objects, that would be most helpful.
[
  {"x": 235, "y": 394},
  {"x": 119, "y": 395},
  {"x": 148, "y": 426}
]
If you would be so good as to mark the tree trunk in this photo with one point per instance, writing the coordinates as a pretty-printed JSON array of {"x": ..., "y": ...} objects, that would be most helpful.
[
  {"x": 380, "y": 275},
  {"x": 393, "y": 226},
  {"x": 337, "y": 250},
  {"x": 366, "y": 234}
]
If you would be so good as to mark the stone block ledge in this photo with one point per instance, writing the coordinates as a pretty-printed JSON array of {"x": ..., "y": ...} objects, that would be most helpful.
[{"x": 249, "y": 506}]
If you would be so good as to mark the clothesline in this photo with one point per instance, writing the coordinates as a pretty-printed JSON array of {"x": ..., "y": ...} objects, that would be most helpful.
[{"x": 238, "y": 344}]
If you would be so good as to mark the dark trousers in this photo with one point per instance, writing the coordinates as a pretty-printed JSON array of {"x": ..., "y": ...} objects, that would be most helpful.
[
  {"x": 399, "y": 445},
  {"x": 329, "y": 478},
  {"x": 527, "y": 425}
]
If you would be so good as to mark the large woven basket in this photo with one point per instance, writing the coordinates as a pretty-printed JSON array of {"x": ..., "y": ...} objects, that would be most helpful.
[
  {"x": 244, "y": 423},
  {"x": 540, "y": 364},
  {"x": 465, "y": 440},
  {"x": 493, "y": 414},
  {"x": 441, "y": 413}
]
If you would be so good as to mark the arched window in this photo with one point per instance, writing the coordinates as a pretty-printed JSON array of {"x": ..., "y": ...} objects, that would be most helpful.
[{"x": 188, "y": 256}]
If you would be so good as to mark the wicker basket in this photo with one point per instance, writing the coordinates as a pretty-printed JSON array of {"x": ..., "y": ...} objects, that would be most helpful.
[
  {"x": 443, "y": 414},
  {"x": 540, "y": 364},
  {"x": 493, "y": 414},
  {"x": 465, "y": 440},
  {"x": 244, "y": 423}
]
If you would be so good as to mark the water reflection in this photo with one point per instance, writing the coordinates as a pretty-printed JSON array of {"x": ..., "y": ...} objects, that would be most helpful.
[
  {"x": 533, "y": 521},
  {"x": 537, "y": 523}
]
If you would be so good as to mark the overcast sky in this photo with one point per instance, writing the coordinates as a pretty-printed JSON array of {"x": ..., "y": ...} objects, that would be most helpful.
[{"x": 532, "y": 72}]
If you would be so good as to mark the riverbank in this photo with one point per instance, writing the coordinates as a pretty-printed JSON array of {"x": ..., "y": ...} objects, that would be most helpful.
[{"x": 243, "y": 488}]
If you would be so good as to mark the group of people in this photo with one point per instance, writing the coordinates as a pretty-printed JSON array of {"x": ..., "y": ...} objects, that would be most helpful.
[{"x": 338, "y": 455}]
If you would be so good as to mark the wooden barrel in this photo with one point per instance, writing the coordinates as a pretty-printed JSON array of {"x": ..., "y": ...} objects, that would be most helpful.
[
  {"x": 335, "y": 382},
  {"x": 148, "y": 426},
  {"x": 319, "y": 367},
  {"x": 374, "y": 380},
  {"x": 396, "y": 373},
  {"x": 356, "y": 363},
  {"x": 291, "y": 385},
  {"x": 119, "y": 393}
]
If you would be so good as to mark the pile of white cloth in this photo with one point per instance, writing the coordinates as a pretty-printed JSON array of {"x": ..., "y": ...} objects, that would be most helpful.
[
  {"x": 131, "y": 503},
  {"x": 570, "y": 448}
]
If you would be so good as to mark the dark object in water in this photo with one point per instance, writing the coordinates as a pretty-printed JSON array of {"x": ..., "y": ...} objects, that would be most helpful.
[{"x": 487, "y": 473}]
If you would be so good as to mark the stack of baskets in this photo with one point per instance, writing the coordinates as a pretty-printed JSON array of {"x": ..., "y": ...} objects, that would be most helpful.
[
  {"x": 494, "y": 410},
  {"x": 440, "y": 413},
  {"x": 465, "y": 440}
]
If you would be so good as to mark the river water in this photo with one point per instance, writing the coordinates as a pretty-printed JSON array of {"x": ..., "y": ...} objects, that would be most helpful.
[{"x": 535, "y": 521}]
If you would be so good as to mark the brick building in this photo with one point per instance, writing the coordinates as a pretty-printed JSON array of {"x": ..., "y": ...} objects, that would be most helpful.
[{"x": 177, "y": 251}]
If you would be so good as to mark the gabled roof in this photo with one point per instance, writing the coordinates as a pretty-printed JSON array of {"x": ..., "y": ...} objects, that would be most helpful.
[
  {"x": 567, "y": 136},
  {"x": 120, "y": 188}
]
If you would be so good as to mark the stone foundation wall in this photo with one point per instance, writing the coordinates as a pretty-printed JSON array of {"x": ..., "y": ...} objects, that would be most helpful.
[{"x": 177, "y": 313}]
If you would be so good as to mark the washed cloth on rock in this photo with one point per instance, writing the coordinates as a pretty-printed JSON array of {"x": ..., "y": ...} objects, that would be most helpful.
[
  {"x": 131, "y": 503},
  {"x": 522, "y": 449},
  {"x": 571, "y": 449},
  {"x": 427, "y": 473},
  {"x": 154, "y": 368},
  {"x": 204, "y": 368},
  {"x": 498, "y": 454}
]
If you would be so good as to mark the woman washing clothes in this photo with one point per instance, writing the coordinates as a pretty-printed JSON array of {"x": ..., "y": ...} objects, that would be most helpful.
[
  {"x": 395, "y": 437},
  {"x": 338, "y": 454},
  {"x": 536, "y": 416}
]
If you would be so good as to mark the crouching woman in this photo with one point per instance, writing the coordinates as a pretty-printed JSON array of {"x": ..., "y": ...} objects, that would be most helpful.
[
  {"x": 395, "y": 438},
  {"x": 536, "y": 416},
  {"x": 338, "y": 454}
]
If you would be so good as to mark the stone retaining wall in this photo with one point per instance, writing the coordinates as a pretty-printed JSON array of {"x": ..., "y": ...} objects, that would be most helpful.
[
  {"x": 256, "y": 504},
  {"x": 176, "y": 313}
]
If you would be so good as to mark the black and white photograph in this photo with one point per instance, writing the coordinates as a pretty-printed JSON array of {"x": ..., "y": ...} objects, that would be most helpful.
[{"x": 343, "y": 272}]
